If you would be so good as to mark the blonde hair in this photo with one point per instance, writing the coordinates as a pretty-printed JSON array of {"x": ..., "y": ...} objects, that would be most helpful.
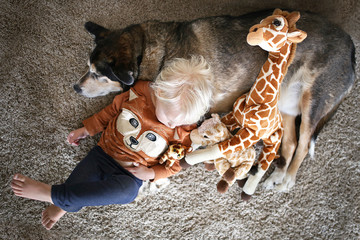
[{"x": 186, "y": 84}]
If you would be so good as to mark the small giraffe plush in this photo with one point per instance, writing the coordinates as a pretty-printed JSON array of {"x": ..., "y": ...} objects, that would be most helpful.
[
  {"x": 233, "y": 168},
  {"x": 175, "y": 152},
  {"x": 256, "y": 112}
]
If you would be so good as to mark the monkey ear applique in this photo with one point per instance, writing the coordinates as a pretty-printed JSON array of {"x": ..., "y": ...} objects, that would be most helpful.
[
  {"x": 176, "y": 134},
  {"x": 132, "y": 95}
]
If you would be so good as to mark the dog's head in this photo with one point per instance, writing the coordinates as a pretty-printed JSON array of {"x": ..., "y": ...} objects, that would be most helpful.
[{"x": 113, "y": 64}]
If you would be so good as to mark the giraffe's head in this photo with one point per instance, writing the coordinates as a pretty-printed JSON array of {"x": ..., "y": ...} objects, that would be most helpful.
[
  {"x": 274, "y": 31},
  {"x": 210, "y": 132}
]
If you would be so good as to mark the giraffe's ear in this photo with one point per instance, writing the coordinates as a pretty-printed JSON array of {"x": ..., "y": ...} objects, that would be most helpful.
[
  {"x": 277, "y": 11},
  {"x": 292, "y": 18},
  {"x": 296, "y": 36}
]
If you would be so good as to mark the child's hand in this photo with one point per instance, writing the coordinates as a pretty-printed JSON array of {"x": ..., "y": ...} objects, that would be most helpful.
[
  {"x": 76, "y": 135},
  {"x": 142, "y": 172}
]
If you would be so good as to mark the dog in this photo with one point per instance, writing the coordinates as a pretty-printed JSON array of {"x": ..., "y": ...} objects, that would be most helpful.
[{"x": 321, "y": 75}]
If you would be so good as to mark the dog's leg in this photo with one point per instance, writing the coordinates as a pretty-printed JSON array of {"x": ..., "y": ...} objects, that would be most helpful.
[
  {"x": 301, "y": 152},
  {"x": 307, "y": 127},
  {"x": 289, "y": 143}
]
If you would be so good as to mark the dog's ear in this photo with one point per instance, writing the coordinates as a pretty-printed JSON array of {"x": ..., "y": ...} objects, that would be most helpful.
[
  {"x": 98, "y": 31},
  {"x": 122, "y": 77},
  {"x": 127, "y": 78}
]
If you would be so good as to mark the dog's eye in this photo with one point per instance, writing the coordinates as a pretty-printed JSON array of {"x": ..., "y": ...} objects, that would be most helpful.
[
  {"x": 103, "y": 79},
  {"x": 151, "y": 137},
  {"x": 134, "y": 122}
]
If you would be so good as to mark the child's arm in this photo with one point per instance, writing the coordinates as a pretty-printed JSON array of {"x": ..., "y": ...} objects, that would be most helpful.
[
  {"x": 75, "y": 136},
  {"x": 99, "y": 121},
  {"x": 142, "y": 172}
]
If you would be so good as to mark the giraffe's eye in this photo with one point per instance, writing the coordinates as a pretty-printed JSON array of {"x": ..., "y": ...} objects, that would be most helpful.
[
  {"x": 206, "y": 136},
  {"x": 277, "y": 22}
]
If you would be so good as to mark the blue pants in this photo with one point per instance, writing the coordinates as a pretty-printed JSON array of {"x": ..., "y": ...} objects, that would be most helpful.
[{"x": 97, "y": 180}]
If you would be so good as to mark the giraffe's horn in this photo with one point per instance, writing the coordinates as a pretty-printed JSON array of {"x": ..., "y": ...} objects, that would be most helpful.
[
  {"x": 277, "y": 11},
  {"x": 292, "y": 18}
]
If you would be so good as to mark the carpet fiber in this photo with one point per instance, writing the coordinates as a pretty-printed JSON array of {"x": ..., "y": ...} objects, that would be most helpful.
[{"x": 43, "y": 52}]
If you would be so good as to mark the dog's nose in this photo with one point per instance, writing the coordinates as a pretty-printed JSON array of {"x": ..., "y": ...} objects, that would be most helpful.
[{"x": 77, "y": 88}]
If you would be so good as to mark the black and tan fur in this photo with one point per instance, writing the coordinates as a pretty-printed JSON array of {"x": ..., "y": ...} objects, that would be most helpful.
[{"x": 321, "y": 75}]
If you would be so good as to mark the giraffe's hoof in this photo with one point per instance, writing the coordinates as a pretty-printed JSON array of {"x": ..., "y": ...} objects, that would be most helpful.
[
  {"x": 245, "y": 197},
  {"x": 222, "y": 186},
  {"x": 241, "y": 182},
  {"x": 184, "y": 164}
]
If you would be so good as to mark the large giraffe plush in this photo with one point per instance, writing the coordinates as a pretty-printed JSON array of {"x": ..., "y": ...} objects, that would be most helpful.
[{"x": 256, "y": 113}]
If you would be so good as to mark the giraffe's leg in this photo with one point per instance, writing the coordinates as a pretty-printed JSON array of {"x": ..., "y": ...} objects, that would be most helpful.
[
  {"x": 242, "y": 170},
  {"x": 222, "y": 165},
  {"x": 289, "y": 143},
  {"x": 271, "y": 146}
]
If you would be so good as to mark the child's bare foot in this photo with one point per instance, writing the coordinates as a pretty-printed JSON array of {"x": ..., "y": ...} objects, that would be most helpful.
[
  {"x": 51, "y": 215},
  {"x": 23, "y": 186}
]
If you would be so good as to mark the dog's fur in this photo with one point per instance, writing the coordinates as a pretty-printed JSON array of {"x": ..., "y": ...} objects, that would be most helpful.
[{"x": 321, "y": 75}]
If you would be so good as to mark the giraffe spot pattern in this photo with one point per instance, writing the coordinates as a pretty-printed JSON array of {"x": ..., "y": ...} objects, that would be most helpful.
[
  {"x": 278, "y": 39},
  {"x": 268, "y": 35}
]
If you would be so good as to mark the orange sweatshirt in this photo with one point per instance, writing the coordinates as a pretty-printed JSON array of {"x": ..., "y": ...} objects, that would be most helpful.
[{"x": 132, "y": 133}]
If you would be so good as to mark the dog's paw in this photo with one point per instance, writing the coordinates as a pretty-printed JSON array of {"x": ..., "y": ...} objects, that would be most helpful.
[
  {"x": 274, "y": 179},
  {"x": 287, "y": 183},
  {"x": 149, "y": 188}
]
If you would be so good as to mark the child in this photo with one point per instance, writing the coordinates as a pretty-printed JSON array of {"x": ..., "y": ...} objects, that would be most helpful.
[{"x": 137, "y": 128}]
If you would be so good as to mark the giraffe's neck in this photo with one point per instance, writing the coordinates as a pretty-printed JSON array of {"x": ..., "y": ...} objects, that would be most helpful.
[{"x": 267, "y": 84}]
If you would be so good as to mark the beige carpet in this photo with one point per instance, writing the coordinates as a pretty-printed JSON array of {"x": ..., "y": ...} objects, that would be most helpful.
[{"x": 43, "y": 51}]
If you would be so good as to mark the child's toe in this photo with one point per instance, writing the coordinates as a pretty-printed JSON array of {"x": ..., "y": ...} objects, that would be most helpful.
[
  {"x": 15, "y": 186},
  {"x": 19, "y": 177},
  {"x": 49, "y": 225}
]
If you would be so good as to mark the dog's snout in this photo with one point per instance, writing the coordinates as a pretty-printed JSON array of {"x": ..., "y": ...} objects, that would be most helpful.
[{"x": 77, "y": 88}]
